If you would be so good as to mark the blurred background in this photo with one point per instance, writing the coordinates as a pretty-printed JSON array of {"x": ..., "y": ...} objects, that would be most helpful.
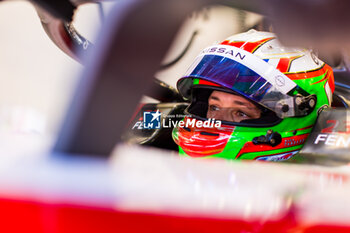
[{"x": 38, "y": 79}]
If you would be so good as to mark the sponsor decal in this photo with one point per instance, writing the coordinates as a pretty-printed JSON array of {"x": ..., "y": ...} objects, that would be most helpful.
[
  {"x": 279, "y": 81},
  {"x": 335, "y": 134},
  {"x": 331, "y": 134},
  {"x": 333, "y": 140},
  {"x": 228, "y": 51},
  {"x": 275, "y": 77},
  {"x": 278, "y": 157},
  {"x": 294, "y": 141}
]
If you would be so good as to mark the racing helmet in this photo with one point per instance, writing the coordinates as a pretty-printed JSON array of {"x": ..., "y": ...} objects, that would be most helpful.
[{"x": 289, "y": 86}]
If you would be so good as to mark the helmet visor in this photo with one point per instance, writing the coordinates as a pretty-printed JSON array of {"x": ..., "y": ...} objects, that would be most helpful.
[{"x": 259, "y": 82}]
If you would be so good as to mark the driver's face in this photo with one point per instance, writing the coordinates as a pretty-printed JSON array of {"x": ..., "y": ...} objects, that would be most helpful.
[{"x": 230, "y": 107}]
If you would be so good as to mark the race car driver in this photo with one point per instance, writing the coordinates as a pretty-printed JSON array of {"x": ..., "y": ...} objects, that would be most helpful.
[{"x": 266, "y": 96}]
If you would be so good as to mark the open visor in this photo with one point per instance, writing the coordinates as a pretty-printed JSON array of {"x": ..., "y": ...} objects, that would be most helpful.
[{"x": 251, "y": 77}]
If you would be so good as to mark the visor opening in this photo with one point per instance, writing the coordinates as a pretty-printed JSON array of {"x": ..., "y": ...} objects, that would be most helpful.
[{"x": 199, "y": 108}]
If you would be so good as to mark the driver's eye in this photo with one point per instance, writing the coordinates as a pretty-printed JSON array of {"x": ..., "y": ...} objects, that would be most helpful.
[
  {"x": 214, "y": 108},
  {"x": 242, "y": 114}
]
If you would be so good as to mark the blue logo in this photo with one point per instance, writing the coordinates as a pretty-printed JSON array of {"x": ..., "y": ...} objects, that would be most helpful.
[{"x": 151, "y": 120}]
